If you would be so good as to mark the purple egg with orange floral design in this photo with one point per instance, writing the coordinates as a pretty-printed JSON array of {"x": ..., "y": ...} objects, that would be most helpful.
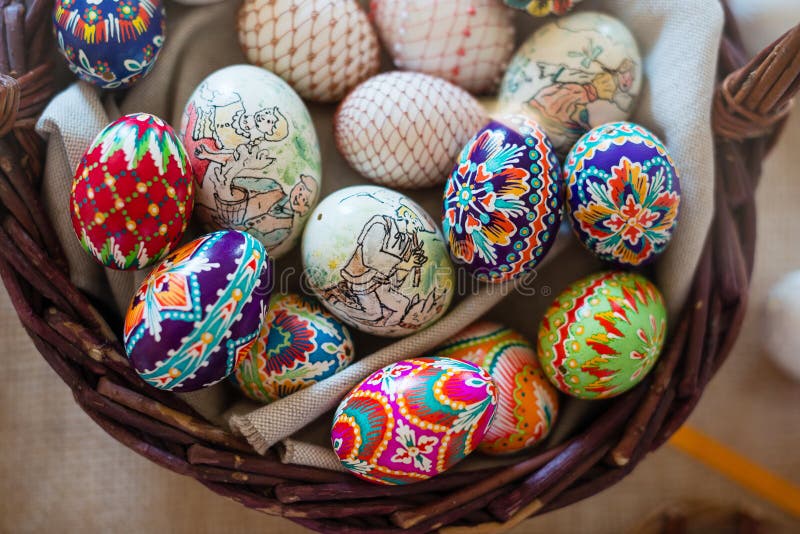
[
  {"x": 623, "y": 193},
  {"x": 503, "y": 200}
]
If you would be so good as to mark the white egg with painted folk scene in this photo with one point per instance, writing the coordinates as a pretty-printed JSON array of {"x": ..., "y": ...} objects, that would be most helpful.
[
  {"x": 256, "y": 156},
  {"x": 377, "y": 261}
]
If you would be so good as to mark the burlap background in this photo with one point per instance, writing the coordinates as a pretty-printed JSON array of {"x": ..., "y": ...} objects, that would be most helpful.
[
  {"x": 679, "y": 67},
  {"x": 60, "y": 472}
]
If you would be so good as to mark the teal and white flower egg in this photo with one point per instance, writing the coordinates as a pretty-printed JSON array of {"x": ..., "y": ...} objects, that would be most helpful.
[{"x": 299, "y": 345}]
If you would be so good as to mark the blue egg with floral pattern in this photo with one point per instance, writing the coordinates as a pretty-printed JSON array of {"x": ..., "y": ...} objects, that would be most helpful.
[
  {"x": 198, "y": 313},
  {"x": 503, "y": 200},
  {"x": 300, "y": 344},
  {"x": 623, "y": 193},
  {"x": 110, "y": 43}
]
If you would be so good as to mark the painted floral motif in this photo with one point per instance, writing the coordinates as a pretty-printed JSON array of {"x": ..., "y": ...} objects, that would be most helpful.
[
  {"x": 133, "y": 193},
  {"x": 110, "y": 43},
  {"x": 541, "y": 8},
  {"x": 299, "y": 345},
  {"x": 603, "y": 335},
  {"x": 198, "y": 314},
  {"x": 439, "y": 412},
  {"x": 527, "y": 404},
  {"x": 502, "y": 202},
  {"x": 623, "y": 193}
]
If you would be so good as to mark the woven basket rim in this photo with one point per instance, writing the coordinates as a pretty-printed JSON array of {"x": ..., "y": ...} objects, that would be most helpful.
[{"x": 750, "y": 107}]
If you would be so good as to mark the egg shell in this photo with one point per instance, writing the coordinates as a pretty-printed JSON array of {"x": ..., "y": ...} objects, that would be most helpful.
[
  {"x": 322, "y": 48},
  {"x": 110, "y": 43},
  {"x": 256, "y": 156},
  {"x": 503, "y": 200},
  {"x": 573, "y": 74},
  {"x": 299, "y": 345},
  {"x": 466, "y": 43},
  {"x": 603, "y": 335},
  {"x": 542, "y": 8},
  {"x": 527, "y": 404},
  {"x": 377, "y": 261},
  {"x": 404, "y": 129},
  {"x": 413, "y": 420},
  {"x": 133, "y": 193},
  {"x": 198, "y": 314},
  {"x": 623, "y": 193}
]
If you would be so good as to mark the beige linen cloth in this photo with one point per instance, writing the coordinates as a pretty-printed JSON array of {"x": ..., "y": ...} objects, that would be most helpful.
[{"x": 679, "y": 63}]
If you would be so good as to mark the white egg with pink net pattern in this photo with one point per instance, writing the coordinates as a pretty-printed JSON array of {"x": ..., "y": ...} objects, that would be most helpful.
[
  {"x": 405, "y": 129},
  {"x": 467, "y": 43},
  {"x": 322, "y": 48}
]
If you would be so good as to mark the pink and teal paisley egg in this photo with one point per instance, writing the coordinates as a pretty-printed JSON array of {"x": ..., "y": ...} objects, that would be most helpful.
[
  {"x": 503, "y": 200},
  {"x": 110, "y": 43},
  {"x": 623, "y": 193},
  {"x": 413, "y": 419},
  {"x": 299, "y": 345},
  {"x": 198, "y": 314},
  {"x": 527, "y": 404},
  {"x": 603, "y": 334},
  {"x": 133, "y": 193}
]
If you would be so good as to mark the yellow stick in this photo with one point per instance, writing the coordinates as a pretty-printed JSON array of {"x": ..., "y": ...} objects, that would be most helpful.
[{"x": 733, "y": 465}]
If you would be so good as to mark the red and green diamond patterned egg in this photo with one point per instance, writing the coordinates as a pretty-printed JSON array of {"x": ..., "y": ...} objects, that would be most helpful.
[
  {"x": 132, "y": 196},
  {"x": 603, "y": 335}
]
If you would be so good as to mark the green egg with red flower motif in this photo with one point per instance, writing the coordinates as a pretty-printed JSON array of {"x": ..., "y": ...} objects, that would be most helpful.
[{"x": 603, "y": 335}]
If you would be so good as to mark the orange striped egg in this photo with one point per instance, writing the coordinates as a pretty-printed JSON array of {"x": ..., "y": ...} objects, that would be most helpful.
[{"x": 528, "y": 404}]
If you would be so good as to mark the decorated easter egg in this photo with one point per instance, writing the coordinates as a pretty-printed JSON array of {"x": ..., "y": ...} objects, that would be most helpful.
[
  {"x": 377, "y": 261},
  {"x": 527, "y": 405},
  {"x": 299, "y": 345},
  {"x": 623, "y": 193},
  {"x": 404, "y": 129},
  {"x": 323, "y": 48},
  {"x": 198, "y": 314},
  {"x": 110, "y": 43},
  {"x": 133, "y": 193},
  {"x": 573, "y": 74},
  {"x": 466, "y": 43},
  {"x": 413, "y": 419},
  {"x": 255, "y": 154},
  {"x": 603, "y": 334},
  {"x": 541, "y": 8},
  {"x": 503, "y": 200}
]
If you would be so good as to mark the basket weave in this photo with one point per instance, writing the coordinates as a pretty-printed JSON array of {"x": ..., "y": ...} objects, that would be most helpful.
[{"x": 751, "y": 102}]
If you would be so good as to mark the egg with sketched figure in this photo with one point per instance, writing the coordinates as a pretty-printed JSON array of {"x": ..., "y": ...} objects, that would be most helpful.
[
  {"x": 198, "y": 313},
  {"x": 110, "y": 43},
  {"x": 377, "y": 261},
  {"x": 299, "y": 345},
  {"x": 133, "y": 193},
  {"x": 541, "y": 8},
  {"x": 413, "y": 420},
  {"x": 503, "y": 200},
  {"x": 573, "y": 74},
  {"x": 603, "y": 335},
  {"x": 465, "y": 43},
  {"x": 527, "y": 404},
  {"x": 256, "y": 156},
  {"x": 623, "y": 193},
  {"x": 404, "y": 129},
  {"x": 322, "y": 48}
]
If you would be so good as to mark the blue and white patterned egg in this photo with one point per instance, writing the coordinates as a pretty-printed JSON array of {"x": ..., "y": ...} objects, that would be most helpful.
[
  {"x": 300, "y": 344},
  {"x": 198, "y": 314},
  {"x": 503, "y": 200},
  {"x": 623, "y": 193},
  {"x": 110, "y": 43}
]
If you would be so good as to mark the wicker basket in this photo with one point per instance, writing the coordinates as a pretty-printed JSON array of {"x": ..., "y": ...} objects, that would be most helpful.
[{"x": 750, "y": 105}]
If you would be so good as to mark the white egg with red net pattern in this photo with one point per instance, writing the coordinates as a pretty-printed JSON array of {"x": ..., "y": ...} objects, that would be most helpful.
[
  {"x": 467, "y": 43},
  {"x": 405, "y": 129},
  {"x": 322, "y": 48}
]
